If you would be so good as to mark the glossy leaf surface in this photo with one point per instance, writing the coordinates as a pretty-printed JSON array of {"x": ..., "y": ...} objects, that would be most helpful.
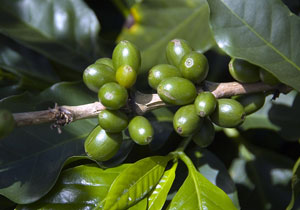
[
  {"x": 176, "y": 18},
  {"x": 31, "y": 157},
  {"x": 210, "y": 166},
  {"x": 199, "y": 193},
  {"x": 157, "y": 198},
  {"x": 135, "y": 182},
  {"x": 269, "y": 35},
  {"x": 24, "y": 62},
  {"x": 81, "y": 187},
  {"x": 141, "y": 205},
  {"x": 65, "y": 31},
  {"x": 281, "y": 115}
]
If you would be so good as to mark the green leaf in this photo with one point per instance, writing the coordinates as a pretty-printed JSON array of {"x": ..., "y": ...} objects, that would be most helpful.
[
  {"x": 158, "y": 196},
  {"x": 62, "y": 30},
  {"x": 81, "y": 187},
  {"x": 213, "y": 169},
  {"x": 262, "y": 32},
  {"x": 295, "y": 185},
  {"x": 31, "y": 157},
  {"x": 176, "y": 19},
  {"x": 281, "y": 115},
  {"x": 198, "y": 193},
  {"x": 262, "y": 178},
  {"x": 24, "y": 62},
  {"x": 135, "y": 182},
  {"x": 141, "y": 205}
]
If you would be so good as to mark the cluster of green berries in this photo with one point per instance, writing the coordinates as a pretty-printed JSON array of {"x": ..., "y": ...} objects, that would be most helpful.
[
  {"x": 111, "y": 79},
  {"x": 175, "y": 84}
]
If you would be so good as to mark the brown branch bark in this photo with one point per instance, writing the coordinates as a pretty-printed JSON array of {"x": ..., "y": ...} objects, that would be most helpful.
[{"x": 140, "y": 104}]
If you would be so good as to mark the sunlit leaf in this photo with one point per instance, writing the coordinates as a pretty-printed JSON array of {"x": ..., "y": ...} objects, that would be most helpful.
[
  {"x": 156, "y": 22},
  {"x": 81, "y": 187},
  {"x": 198, "y": 193},
  {"x": 157, "y": 198},
  {"x": 263, "y": 32},
  {"x": 135, "y": 182}
]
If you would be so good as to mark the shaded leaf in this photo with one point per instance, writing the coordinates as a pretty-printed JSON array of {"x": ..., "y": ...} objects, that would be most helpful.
[
  {"x": 281, "y": 115},
  {"x": 262, "y": 32},
  {"x": 156, "y": 22},
  {"x": 199, "y": 193},
  {"x": 135, "y": 182},
  {"x": 62, "y": 30},
  {"x": 24, "y": 62},
  {"x": 81, "y": 187},
  {"x": 211, "y": 167},
  {"x": 158, "y": 196},
  {"x": 31, "y": 157},
  {"x": 262, "y": 178},
  {"x": 295, "y": 185}
]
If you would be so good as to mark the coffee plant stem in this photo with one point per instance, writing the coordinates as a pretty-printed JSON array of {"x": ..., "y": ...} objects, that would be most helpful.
[{"x": 140, "y": 103}]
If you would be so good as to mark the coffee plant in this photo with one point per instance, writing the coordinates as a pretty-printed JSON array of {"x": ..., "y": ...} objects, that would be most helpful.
[{"x": 149, "y": 104}]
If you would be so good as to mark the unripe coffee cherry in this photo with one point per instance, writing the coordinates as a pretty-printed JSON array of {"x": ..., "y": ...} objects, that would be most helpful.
[
  {"x": 126, "y": 53},
  {"x": 126, "y": 76},
  {"x": 96, "y": 75},
  {"x": 140, "y": 130},
  {"x": 186, "y": 121},
  {"x": 102, "y": 146},
  {"x": 251, "y": 102},
  {"x": 176, "y": 49},
  {"x": 177, "y": 91},
  {"x": 7, "y": 122},
  {"x": 160, "y": 72},
  {"x": 194, "y": 66},
  {"x": 113, "y": 96},
  {"x": 228, "y": 114},
  {"x": 112, "y": 121},
  {"x": 105, "y": 61},
  {"x": 205, "y": 136},
  {"x": 243, "y": 71},
  {"x": 267, "y": 77},
  {"x": 205, "y": 103}
]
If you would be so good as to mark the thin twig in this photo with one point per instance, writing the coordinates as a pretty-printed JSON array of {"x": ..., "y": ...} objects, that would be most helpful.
[{"x": 140, "y": 103}]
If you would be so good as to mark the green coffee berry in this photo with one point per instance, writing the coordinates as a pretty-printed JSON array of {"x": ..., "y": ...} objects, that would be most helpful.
[
  {"x": 228, "y": 113},
  {"x": 112, "y": 121},
  {"x": 243, "y": 71},
  {"x": 113, "y": 96},
  {"x": 194, "y": 66},
  {"x": 160, "y": 72},
  {"x": 177, "y": 91},
  {"x": 7, "y": 122},
  {"x": 205, "y": 103},
  {"x": 126, "y": 76},
  {"x": 102, "y": 146},
  {"x": 140, "y": 130},
  {"x": 267, "y": 77},
  {"x": 175, "y": 50},
  {"x": 126, "y": 53},
  {"x": 96, "y": 75},
  {"x": 205, "y": 136},
  {"x": 186, "y": 121},
  {"x": 251, "y": 102},
  {"x": 105, "y": 61}
]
